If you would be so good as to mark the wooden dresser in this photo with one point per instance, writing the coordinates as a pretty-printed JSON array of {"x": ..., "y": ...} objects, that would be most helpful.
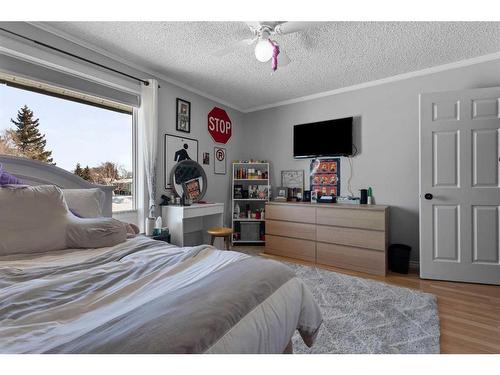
[{"x": 342, "y": 235}]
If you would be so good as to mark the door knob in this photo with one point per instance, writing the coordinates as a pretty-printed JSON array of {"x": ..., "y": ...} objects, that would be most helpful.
[{"x": 428, "y": 196}]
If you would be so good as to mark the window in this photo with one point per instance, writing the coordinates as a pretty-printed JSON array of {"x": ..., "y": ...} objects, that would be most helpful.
[{"x": 88, "y": 136}]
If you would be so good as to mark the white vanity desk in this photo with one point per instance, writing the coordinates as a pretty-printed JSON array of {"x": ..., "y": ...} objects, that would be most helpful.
[{"x": 188, "y": 224}]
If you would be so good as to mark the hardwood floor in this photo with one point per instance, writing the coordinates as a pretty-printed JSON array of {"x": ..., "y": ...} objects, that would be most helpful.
[{"x": 469, "y": 314}]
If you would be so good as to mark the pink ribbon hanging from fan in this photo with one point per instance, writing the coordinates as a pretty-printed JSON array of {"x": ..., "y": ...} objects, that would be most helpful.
[{"x": 276, "y": 52}]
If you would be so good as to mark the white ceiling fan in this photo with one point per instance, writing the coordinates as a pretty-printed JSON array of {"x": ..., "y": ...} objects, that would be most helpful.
[{"x": 266, "y": 48}]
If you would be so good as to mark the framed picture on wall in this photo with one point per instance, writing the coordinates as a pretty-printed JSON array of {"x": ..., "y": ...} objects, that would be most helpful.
[
  {"x": 178, "y": 149},
  {"x": 206, "y": 158},
  {"x": 183, "y": 116},
  {"x": 219, "y": 160}
]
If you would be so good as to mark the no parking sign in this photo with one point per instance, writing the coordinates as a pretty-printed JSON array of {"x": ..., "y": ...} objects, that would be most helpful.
[{"x": 219, "y": 160}]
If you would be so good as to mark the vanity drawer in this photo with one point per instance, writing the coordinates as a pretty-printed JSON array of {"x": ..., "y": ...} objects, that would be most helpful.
[
  {"x": 354, "y": 218},
  {"x": 352, "y": 258},
  {"x": 291, "y": 247},
  {"x": 290, "y": 229},
  {"x": 291, "y": 213},
  {"x": 371, "y": 239}
]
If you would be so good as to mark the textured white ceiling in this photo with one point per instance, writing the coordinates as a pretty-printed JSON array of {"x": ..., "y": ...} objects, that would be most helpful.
[{"x": 327, "y": 57}]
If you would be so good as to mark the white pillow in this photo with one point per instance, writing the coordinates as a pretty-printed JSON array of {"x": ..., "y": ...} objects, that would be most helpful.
[
  {"x": 32, "y": 219},
  {"x": 36, "y": 219},
  {"x": 85, "y": 202}
]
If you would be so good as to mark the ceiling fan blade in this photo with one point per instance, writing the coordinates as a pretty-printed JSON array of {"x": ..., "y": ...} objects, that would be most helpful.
[
  {"x": 294, "y": 26},
  {"x": 283, "y": 59},
  {"x": 253, "y": 25},
  {"x": 233, "y": 47}
]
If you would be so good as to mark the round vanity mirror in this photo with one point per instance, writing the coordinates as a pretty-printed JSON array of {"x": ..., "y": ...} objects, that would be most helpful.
[{"x": 188, "y": 177}]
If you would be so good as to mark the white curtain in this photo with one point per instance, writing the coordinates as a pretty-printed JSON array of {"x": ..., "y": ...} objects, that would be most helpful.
[{"x": 148, "y": 125}]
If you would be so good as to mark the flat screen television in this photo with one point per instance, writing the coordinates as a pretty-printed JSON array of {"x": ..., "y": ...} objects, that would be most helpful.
[{"x": 324, "y": 138}]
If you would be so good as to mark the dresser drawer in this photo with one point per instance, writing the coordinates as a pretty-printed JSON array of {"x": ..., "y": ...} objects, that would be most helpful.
[
  {"x": 371, "y": 239},
  {"x": 291, "y": 247},
  {"x": 353, "y": 258},
  {"x": 290, "y": 229},
  {"x": 354, "y": 218},
  {"x": 291, "y": 213}
]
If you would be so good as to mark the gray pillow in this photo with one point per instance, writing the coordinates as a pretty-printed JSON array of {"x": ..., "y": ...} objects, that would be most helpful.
[
  {"x": 85, "y": 202},
  {"x": 94, "y": 232}
]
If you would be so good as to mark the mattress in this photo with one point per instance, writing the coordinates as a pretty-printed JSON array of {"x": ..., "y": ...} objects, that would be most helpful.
[{"x": 146, "y": 296}]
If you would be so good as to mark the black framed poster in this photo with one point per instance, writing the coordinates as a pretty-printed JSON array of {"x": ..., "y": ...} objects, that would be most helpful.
[
  {"x": 178, "y": 149},
  {"x": 183, "y": 116}
]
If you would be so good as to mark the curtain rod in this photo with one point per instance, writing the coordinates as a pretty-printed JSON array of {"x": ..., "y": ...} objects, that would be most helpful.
[{"x": 146, "y": 83}]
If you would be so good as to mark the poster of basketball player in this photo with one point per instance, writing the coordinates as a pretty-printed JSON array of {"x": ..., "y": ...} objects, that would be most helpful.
[{"x": 178, "y": 149}]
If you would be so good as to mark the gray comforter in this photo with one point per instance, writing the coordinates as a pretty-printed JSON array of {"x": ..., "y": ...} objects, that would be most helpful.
[{"x": 145, "y": 296}]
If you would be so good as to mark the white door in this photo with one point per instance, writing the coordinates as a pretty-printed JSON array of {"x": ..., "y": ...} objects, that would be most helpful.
[{"x": 459, "y": 185}]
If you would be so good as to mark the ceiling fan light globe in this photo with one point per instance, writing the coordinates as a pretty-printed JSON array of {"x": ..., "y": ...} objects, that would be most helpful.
[{"x": 263, "y": 50}]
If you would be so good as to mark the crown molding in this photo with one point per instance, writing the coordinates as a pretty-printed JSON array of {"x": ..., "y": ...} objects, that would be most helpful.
[
  {"x": 382, "y": 81},
  {"x": 142, "y": 69}
]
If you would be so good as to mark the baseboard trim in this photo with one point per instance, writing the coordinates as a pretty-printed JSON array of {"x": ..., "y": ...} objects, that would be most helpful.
[{"x": 414, "y": 265}]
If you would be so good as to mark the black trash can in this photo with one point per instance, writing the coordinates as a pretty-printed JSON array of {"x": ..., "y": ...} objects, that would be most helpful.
[{"x": 399, "y": 258}]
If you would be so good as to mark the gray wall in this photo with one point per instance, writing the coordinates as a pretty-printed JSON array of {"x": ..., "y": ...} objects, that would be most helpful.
[
  {"x": 218, "y": 185},
  {"x": 388, "y": 138}
]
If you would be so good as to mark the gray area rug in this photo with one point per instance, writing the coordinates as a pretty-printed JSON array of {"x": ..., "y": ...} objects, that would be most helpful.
[{"x": 365, "y": 316}]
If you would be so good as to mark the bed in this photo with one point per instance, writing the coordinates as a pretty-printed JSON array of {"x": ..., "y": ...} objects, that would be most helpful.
[{"x": 146, "y": 296}]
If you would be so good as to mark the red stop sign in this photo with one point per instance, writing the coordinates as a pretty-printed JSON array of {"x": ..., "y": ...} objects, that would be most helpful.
[{"x": 219, "y": 125}]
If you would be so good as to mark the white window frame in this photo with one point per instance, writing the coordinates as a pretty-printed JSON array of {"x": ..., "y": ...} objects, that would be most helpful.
[{"x": 135, "y": 163}]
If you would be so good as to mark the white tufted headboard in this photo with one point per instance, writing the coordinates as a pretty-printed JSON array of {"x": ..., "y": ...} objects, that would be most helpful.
[{"x": 33, "y": 172}]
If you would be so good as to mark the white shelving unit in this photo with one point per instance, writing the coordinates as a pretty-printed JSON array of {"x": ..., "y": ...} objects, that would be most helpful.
[{"x": 254, "y": 203}]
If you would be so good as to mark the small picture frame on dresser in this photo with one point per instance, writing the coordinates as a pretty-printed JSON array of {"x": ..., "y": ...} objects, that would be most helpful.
[
  {"x": 314, "y": 196},
  {"x": 293, "y": 179},
  {"x": 281, "y": 194}
]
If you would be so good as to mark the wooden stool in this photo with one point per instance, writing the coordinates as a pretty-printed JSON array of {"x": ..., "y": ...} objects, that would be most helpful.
[{"x": 221, "y": 232}]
